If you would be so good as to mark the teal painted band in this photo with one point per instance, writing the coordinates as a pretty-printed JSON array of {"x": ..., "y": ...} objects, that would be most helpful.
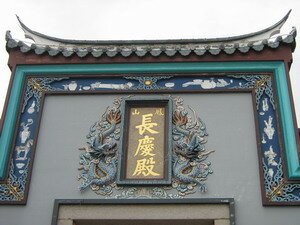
[
  {"x": 9, "y": 123},
  {"x": 276, "y": 67},
  {"x": 286, "y": 117}
]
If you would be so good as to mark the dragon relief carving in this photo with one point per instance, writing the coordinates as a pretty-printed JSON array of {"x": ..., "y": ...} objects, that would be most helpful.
[
  {"x": 190, "y": 168},
  {"x": 99, "y": 161}
]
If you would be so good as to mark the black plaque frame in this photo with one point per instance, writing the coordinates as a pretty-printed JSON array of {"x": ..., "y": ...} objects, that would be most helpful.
[{"x": 145, "y": 101}]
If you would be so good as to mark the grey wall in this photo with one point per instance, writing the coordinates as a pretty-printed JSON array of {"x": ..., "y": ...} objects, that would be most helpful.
[{"x": 230, "y": 124}]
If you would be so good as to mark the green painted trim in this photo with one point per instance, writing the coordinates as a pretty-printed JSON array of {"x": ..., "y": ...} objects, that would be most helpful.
[
  {"x": 9, "y": 121},
  {"x": 276, "y": 67},
  {"x": 287, "y": 124}
]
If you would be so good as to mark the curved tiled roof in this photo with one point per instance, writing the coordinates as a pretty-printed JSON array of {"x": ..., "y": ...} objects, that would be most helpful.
[{"x": 53, "y": 46}]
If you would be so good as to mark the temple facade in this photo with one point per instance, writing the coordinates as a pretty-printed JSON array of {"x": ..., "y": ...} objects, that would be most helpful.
[{"x": 187, "y": 131}]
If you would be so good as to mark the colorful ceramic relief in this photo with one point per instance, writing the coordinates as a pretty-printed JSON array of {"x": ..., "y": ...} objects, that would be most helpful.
[
  {"x": 189, "y": 152},
  {"x": 98, "y": 162}
]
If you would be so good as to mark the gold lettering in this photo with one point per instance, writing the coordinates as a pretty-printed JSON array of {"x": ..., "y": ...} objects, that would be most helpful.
[
  {"x": 147, "y": 125},
  {"x": 135, "y": 112},
  {"x": 145, "y": 167},
  {"x": 159, "y": 112},
  {"x": 145, "y": 147}
]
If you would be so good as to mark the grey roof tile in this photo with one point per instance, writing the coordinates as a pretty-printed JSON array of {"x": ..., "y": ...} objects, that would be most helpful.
[
  {"x": 170, "y": 51},
  {"x": 96, "y": 52},
  {"x": 39, "y": 50},
  {"x": 185, "y": 51},
  {"x": 290, "y": 37},
  {"x": 67, "y": 52},
  {"x": 140, "y": 52},
  {"x": 243, "y": 47},
  {"x": 214, "y": 50},
  {"x": 258, "y": 46},
  {"x": 200, "y": 50},
  {"x": 111, "y": 52},
  {"x": 126, "y": 52},
  {"x": 155, "y": 51},
  {"x": 25, "y": 48},
  {"x": 12, "y": 43},
  {"x": 229, "y": 48},
  {"x": 82, "y": 52},
  {"x": 273, "y": 44},
  {"x": 53, "y": 51}
]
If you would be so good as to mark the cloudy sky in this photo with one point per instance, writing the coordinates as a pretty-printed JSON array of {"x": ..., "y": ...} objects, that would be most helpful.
[{"x": 141, "y": 19}]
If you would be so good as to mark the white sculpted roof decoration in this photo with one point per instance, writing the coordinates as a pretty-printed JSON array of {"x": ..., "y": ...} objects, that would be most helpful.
[{"x": 269, "y": 37}]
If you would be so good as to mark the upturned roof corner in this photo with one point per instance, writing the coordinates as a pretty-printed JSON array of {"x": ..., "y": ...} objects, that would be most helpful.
[{"x": 269, "y": 37}]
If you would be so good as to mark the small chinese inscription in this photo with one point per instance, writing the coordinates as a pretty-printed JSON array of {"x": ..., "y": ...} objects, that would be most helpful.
[{"x": 145, "y": 153}]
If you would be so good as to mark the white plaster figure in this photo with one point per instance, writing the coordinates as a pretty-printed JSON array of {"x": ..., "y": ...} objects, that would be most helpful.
[
  {"x": 86, "y": 88},
  {"x": 25, "y": 133},
  {"x": 169, "y": 85},
  {"x": 207, "y": 84},
  {"x": 263, "y": 139},
  {"x": 22, "y": 151},
  {"x": 271, "y": 156},
  {"x": 71, "y": 86},
  {"x": 96, "y": 85},
  {"x": 269, "y": 129},
  {"x": 20, "y": 165},
  {"x": 271, "y": 172},
  {"x": 222, "y": 83},
  {"x": 265, "y": 105},
  {"x": 194, "y": 82},
  {"x": 31, "y": 108}
]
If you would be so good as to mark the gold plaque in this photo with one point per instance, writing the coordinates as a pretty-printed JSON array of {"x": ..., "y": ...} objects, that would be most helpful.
[{"x": 145, "y": 155}]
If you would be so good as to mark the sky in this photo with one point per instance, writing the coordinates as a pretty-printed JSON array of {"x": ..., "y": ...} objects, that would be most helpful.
[{"x": 141, "y": 19}]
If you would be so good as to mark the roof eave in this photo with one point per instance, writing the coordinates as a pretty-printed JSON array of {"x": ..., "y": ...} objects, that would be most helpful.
[{"x": 43, "y": 39}]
